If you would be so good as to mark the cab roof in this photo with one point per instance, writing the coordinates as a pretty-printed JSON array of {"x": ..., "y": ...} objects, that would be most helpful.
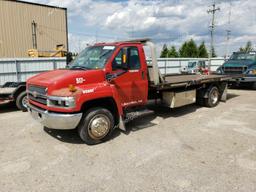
[{"x": 133, "y": 41}]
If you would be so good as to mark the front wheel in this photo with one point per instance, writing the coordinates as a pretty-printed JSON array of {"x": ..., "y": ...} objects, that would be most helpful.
[{"x": 96, "y": 126}]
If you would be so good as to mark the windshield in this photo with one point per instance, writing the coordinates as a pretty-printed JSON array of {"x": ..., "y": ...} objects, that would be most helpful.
[
  {"x": 243, "y": 56},
  {"x": 94, "y": 57},
  {"x": 191, "y": 64}
]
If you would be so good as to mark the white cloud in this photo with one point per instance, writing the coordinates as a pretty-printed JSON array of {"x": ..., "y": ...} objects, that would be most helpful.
[{"x": 170, "y": 21}]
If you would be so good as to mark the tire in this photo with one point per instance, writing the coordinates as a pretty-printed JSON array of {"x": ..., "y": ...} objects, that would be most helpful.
[
  {"x": 200, "y": 101},
  {"x": 213, "y": 97},
  {"x": 21, "y": 101},
  {"x": 254, "y": 86},
  {"x": 92, "y": 118}
]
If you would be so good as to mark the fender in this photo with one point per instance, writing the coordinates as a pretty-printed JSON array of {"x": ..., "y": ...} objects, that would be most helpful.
[
  {"x": 18, "y": 90},
  {"x": 99, "y": 91}
]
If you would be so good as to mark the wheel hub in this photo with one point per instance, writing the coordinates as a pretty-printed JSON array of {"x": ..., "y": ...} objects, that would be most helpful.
[
  {"x": 25, "y": 101},
  {"x": 99, "y": 126},
  {"x": 214, "y": 97}
]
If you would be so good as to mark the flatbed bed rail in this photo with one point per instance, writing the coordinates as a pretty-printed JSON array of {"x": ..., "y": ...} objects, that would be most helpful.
[{"x": 176, "y": 81}]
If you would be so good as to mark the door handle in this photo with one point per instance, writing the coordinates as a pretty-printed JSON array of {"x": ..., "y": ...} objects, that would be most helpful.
[{"x": 143, "y": 75}]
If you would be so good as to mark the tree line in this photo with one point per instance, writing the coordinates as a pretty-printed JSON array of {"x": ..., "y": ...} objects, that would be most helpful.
[
  {"x": 187, "y": 49},
  {"x": 190, "y": 49},
  {"x": 247, "y": 48}
]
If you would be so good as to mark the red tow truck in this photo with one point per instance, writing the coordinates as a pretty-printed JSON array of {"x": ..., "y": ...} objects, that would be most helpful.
[{"x": 110, "y": 83}]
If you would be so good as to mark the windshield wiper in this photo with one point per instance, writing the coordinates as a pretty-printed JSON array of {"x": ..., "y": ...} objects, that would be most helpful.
[{"x": 79, "y": 67}]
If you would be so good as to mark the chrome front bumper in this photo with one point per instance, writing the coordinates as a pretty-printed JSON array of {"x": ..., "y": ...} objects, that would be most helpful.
[{"x": 55, "y": 120}]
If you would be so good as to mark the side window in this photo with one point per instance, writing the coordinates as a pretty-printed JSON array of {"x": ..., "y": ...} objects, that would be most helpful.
[
  {"x": 117, "y": 62},
  {"x": 134, "y": 59}
]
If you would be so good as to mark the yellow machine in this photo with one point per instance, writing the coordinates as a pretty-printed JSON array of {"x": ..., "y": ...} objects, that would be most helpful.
[{"x": 57, "y": 52}]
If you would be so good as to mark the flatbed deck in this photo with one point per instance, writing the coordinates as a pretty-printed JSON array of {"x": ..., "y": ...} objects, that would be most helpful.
[
  {"x": 6, "y": 91},
  {"x": 175, "y": 81}
]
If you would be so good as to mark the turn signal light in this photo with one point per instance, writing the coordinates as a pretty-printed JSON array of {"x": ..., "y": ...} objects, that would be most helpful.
[{"x": 72, "y": 88}]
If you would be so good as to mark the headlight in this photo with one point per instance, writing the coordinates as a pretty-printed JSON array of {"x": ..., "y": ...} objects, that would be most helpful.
[
  {"x": 252, "y": 72},
  {"x": 63, "y": 102}
]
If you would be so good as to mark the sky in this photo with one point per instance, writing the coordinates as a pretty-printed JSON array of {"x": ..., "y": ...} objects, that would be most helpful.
[{"x": 168, "y": 22}]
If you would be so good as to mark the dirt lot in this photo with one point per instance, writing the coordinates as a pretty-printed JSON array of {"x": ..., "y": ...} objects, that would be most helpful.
[{"x": 188, "y": 149}]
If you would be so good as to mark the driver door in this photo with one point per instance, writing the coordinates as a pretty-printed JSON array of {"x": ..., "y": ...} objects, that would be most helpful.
[
  {"x": 122, "y": 83},
  {"x": 132, "y": 85}
]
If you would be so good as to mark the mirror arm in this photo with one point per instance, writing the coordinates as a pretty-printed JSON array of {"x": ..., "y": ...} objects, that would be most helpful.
[{"x": 110, "y": 77}]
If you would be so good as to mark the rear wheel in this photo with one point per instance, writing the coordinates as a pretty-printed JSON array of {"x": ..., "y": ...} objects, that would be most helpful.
[
  {"x": 254, "y": 85},
  {"x": 22, "y": 101},
  {"x": 213, "y": 97},
  {"x": 96, "y": 126}
]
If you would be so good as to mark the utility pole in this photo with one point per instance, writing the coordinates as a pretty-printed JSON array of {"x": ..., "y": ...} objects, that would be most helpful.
[
  {"x": 228, "y": 31},
  {"x": 212, "y": 27}
]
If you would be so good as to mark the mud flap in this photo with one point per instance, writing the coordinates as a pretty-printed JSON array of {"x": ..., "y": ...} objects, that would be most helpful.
[
  {"x": 122, "y": 124},
  {"x": 224, "y": 92}
]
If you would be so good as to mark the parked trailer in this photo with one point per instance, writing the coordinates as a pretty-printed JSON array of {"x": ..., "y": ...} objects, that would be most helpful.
[
  {"x": 111, "y": 83},
  {"x": 15, "y": 72}
]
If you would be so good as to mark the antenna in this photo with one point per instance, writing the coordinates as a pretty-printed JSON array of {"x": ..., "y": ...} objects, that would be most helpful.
[{"x": 212, "y": 28}]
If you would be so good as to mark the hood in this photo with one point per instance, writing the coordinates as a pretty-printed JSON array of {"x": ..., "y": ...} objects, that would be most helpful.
[
  {"x": 63, "y": 78},
  {"x": 239, "y": 63}
]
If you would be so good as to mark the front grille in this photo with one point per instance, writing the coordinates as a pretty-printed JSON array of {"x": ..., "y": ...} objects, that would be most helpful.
[
  {"x": 234, "y": 70},
  {"x": 37, "y": 94}
]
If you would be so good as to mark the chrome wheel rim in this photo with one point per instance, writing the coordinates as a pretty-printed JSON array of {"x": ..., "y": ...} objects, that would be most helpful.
[
  {"x": 24, "y": 101},
  {"x": 214, "y": 97},
  {"x": 99, "y": 126}
]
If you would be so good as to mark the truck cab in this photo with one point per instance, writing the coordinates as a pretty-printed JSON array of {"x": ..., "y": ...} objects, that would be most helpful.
[
  {"x": 241, "y": 63},
  {"x": 109, "y": 84},
  {"x": 112, "y": 75}
]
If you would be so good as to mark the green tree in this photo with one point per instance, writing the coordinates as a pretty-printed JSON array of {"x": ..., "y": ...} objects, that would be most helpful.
[
  {"x": 192, "y": 49},
  {"x": 173, "y": 53},
  {"x": 189, "y": 49},
  {"x": 202, "y": 51},
  {"x": 248, "y": 47},
  {"x": 164, "y": 52},
  {"x": 183, "y": 50}
]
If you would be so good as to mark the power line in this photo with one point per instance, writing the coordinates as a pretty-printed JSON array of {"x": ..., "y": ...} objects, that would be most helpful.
[{"x": 93, "y": 35}]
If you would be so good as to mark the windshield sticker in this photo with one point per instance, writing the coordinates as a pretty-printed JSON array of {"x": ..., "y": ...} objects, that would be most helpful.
[{"x": 109, "y": 47}]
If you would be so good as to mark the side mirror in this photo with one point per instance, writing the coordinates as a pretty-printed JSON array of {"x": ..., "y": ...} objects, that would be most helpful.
[
  {"x": 125, "y": 59},
  {"x": 109, "y": 77}
]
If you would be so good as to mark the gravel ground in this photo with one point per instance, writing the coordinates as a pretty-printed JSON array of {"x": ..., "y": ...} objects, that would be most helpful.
[{"x": 187, "y": 149}]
